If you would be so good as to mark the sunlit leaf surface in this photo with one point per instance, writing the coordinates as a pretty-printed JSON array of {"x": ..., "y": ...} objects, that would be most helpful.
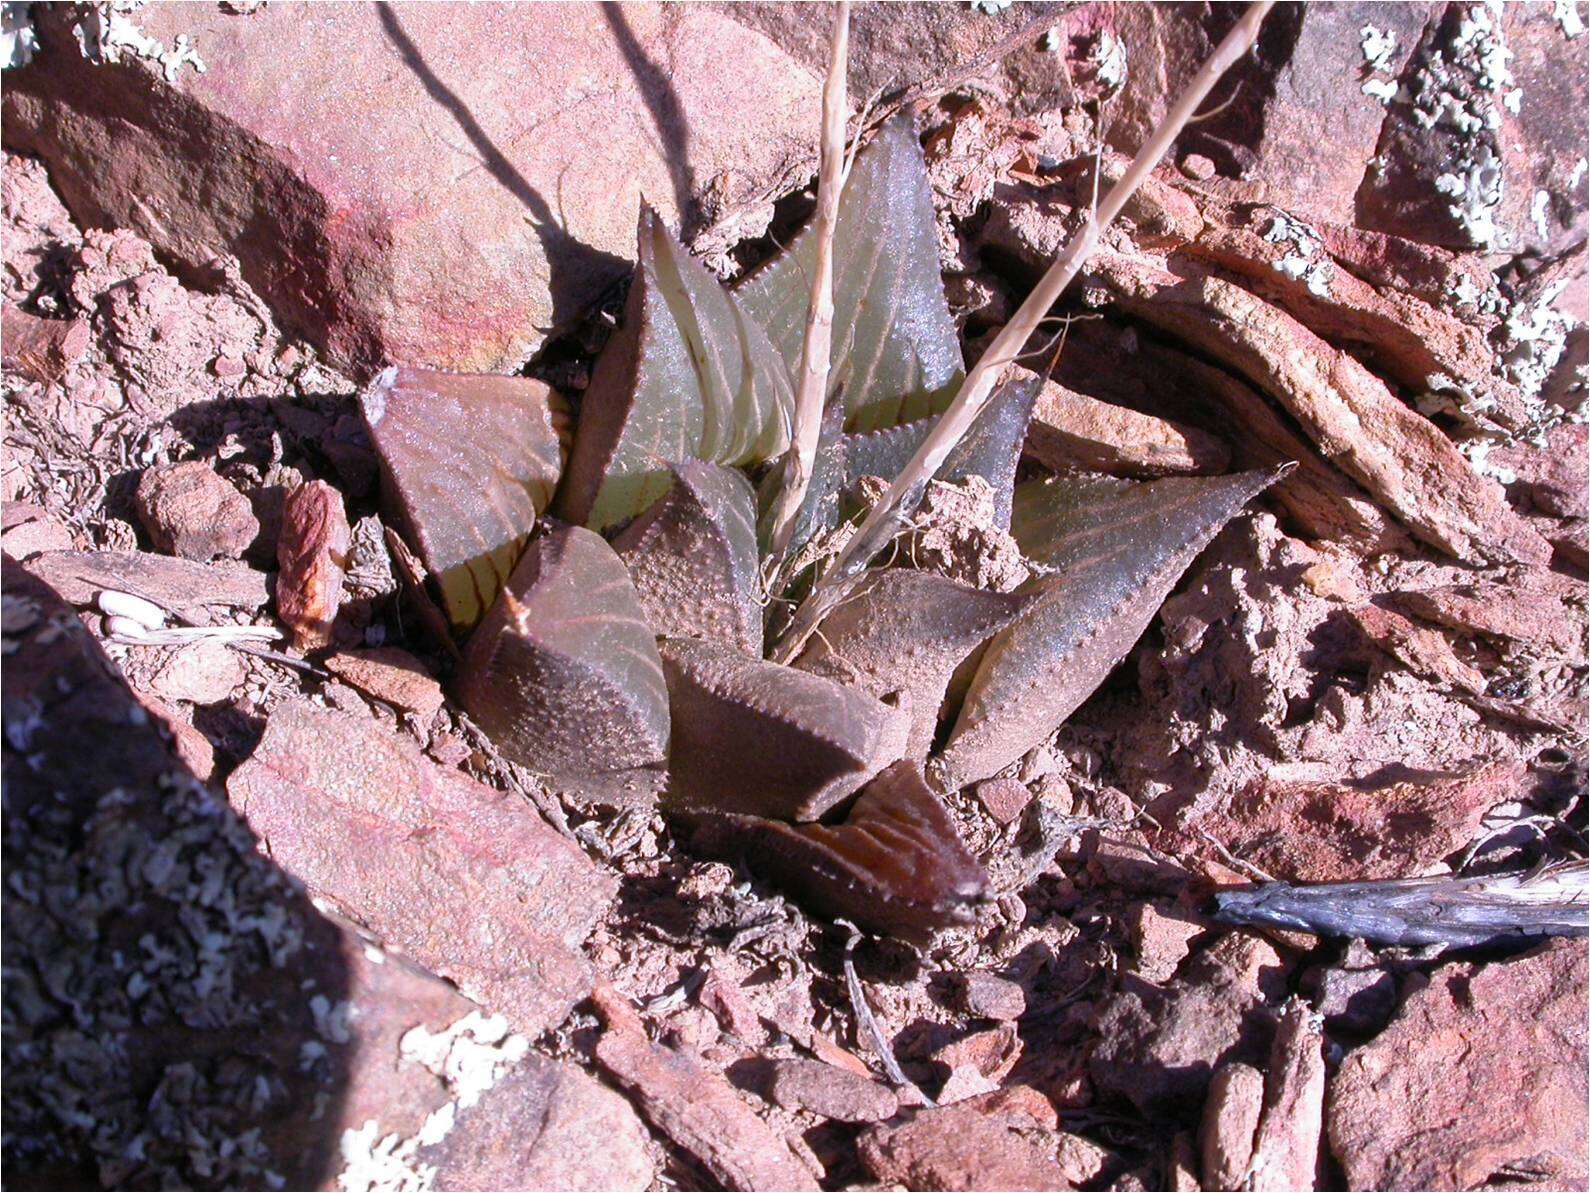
[
  {"x": 468, "y": 462},
  {"x": 896, "y": 356},
  {"x": 687, "y": 376},
  {"x": 564, "y": 674},
  {"x": 1115, "y": 548}
]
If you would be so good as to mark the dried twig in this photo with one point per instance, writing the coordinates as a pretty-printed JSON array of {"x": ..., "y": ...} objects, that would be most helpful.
[
  {"x": 812, "y": 385},
  {"x": 902, "y": 498},
  {"x": 868, "y": 1024}
]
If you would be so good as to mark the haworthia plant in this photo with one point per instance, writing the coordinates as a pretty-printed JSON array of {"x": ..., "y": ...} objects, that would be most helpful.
[
  {"x": 469, "y": 462},
  {"x": 564, "y": 672},
  {"x": 1113, "y": 550},
  {"x": 896, "y": 356},
  {"x": 687, "y": 376}
]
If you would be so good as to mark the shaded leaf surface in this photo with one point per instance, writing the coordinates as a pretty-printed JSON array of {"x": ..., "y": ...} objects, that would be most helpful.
[
  {"x": 1116, "y": 548},
  {"x": 896, "y": 356},
  {"x": 907, "y": 631},
  {"x": 758, "y": 737},
  {"x": 688, "y": 376},
  {"x": 469, "y": 461},
  {"x": 564, "y": 673},
  {"x": 693, "y": 558},
  {"x": 895, "y": 864}
]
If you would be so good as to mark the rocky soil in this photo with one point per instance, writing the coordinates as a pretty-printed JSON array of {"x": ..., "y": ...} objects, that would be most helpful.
[{"x": 279, "y": 916}]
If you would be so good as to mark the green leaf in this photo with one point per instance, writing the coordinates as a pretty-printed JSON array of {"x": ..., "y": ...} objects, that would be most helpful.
[
  {"x": 468, "y": 461},
  {"x": 693, "y": 558},
  {"x": 564, "y": 674},
  {"x": 1116, "y": 549},
  {"x": 896, "y": 356},
  {"x": 688, "y": 376}
]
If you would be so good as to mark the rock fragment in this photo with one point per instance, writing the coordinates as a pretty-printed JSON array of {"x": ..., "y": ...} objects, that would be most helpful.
[
  {"x": 988, "y": 996},
  {"x": 179, "y": 585},
  {"x": 962, "y": 1147},
  {"x": 1287, "y": 1142},
  {"x": 1230, "y": 1120},
  {"x": 191, "y": 511},
  {"x": 312, "y": 553},
  {"x": 390, "y": 674},
  {"x": 1070, "y": 430},
  {"x": 205, "y": 672},
  {"x": 827, "y": 1091}
]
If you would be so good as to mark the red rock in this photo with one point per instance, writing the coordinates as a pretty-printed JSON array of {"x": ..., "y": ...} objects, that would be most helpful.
[
  {"x": 1162, "y": 939},
  {"x": 1081, "y": 1160},
  {"x": 1553, "y": 475},
  {"x": 1005, "y": 799},
  {"x": 1424, "y": 652},
  {"x": 195, "y": 750},
  {"x": 1230, "y": 1121},
  {"x": 1516, "y": 610},
  {"x": 693, "y": 1105},
  {"x": 1017, "y": 1104},
  {"x": 1286, "y": 1147},
  {"x": 1070, "y": 430},
  {"x": 1324, "y": 832},
  {"x": 828, "y": 1092},
  {"x": 733, "y": 1011},
  {"x": 961, "y": 1147},
  {"x": 192, "y": 511},
  {"x": 29, "y": 530},
  {"x": 201, "y": 673},
  {"x": 992, "y": 1052},
  {"x": 466, "y": 880},
  {"x": 546, "y": 1125},
  {"x": 441, "y": 212},
  {"x": 392, "y": 675},
  {"x": 1480, "y": 1077},
  {"x": 1158, "y": 1047},
  {"x": 989, "y": 997},
  {"x": 42, "y": 349},
  {"x": 180, "y": 585},
  {"x": 313, "y": 556}
]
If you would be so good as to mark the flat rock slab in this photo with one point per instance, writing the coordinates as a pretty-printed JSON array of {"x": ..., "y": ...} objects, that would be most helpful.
[
  {"x": 178, "y": 585},
  {"x": 1479, "y": 1079},
  {"x": 963, "y": 1147},
  {"x": 449, "y": 202},
  {"x": 466, "y": 880}
]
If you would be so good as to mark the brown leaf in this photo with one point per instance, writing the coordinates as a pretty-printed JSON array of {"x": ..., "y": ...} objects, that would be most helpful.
[{"x": 312, "y": 554}]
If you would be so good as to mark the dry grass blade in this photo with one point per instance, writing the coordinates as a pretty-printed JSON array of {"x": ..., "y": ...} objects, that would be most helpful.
[
  {"x": 901, "y": 499},
  {"x": 812, "y": 384}
]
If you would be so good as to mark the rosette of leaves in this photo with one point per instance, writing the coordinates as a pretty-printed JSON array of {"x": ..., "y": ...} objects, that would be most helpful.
[{"x": 631, "y": 667}]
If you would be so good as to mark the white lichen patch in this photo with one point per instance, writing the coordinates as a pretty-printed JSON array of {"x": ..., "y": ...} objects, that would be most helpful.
[
  {"x": 470, "y": 1056},
  {"x": 1307, "y": 260},
  {"x": 107, "y": 33},
  {"x": 1535, "y": 336},
  {"x": 1108, "y": 57},
  {"x": 376, "y": 1163},
  {"x": 990, "y": 8},
  {"x": 18, "y": 40},
  {"x": 1379, "y": 47},
  {"x": 1566, "y": 14}
]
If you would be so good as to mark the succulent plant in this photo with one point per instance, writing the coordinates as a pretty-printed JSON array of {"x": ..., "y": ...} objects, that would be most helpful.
[{"x": 632, "y": 668}]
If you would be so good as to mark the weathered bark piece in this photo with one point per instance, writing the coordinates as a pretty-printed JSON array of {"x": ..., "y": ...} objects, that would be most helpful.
[
  {"x": 468, "y": 462},
  {"x": 693, "y": 558},
  {"x": 1230, "y": 1122},
  {"x": 1070, "y": 430},
  {"x": 1399, "y": 455},
  {"x": 907, "y": 631},
  {"x": 466, "y": 880},
  {"x": 895, "y": 864},
  {"x": 1286, "y": 1147},
  {"x": 1113, "y": 550},
  {"x": 693, "y": 1105},
  {"x": 564, "y": 675},
  {"x": 1479, "y": 1078},
  {"x": 1325, "y": 832},
  {"x": 182, "y": 586},
  {"x": 760, "y": 738},
  {"x": 312, "y": 553}
]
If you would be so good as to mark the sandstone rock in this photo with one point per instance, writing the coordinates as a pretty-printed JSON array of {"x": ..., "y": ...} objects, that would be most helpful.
[
  {"x": 1158, "y": 1047},
  {"x": 312, "y": 552},
  {"x": 42, "y": 349},
  {"x": 1287, "y": 1144},
  {"x": 415, "y": 214},
  {"x": 390, "y": 674},
  {"x": 1324, "y": 832},
  {"x": 180, "y": 585},
  {"x": 546, "y": 1125},
  {"x": 1072, "y": 430},
  {"x": 731, "y": 1009},
  {"x": 1480, "y": 1076},
  {"x": 1230, "y": 1120},
  {"x": 39, "y": 225},
  {"x": 192, "y": 747},
  {"x": 1004, "y": 799},
  {"x": 1162, "y": 939},
  {"x": 202, "y": 673},
  {"x": 466, "y": 880},
  {"x": 829, "y": 1092},
  {"x": 191, "y": 511},
  {"x": 1534, "y": 611},
  {"x": 1356, "y": 996},
  {"x": 1552, "y": 475},
  {"x": 989, "y": 997},
  {"x": 693, "y": 1105},
  {"x": 28, "y": 531},
  {"x": 961, "y": 1147},
  {"x": 1423, "y": 651}
]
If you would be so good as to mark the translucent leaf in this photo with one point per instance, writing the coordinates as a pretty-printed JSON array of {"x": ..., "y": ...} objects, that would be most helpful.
[
  {"x": 1116, "y": 548},
  {"x": 468, "y": 461},
  {"x": 758, "y": 737},
  {"x": 687, "y": 376},
  {"x": 564, "y": 674},
  {"x": 896, "y": 356},
  {"x": 894, "y": 864},
  {"x": 693, "y": 558},
  {"x": 907, "y": 631}
]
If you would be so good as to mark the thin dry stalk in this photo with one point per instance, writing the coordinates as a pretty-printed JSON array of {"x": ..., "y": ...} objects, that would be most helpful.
[
  {"x": 812, "y": 384},
  {"x": 901, "y": 500}
]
